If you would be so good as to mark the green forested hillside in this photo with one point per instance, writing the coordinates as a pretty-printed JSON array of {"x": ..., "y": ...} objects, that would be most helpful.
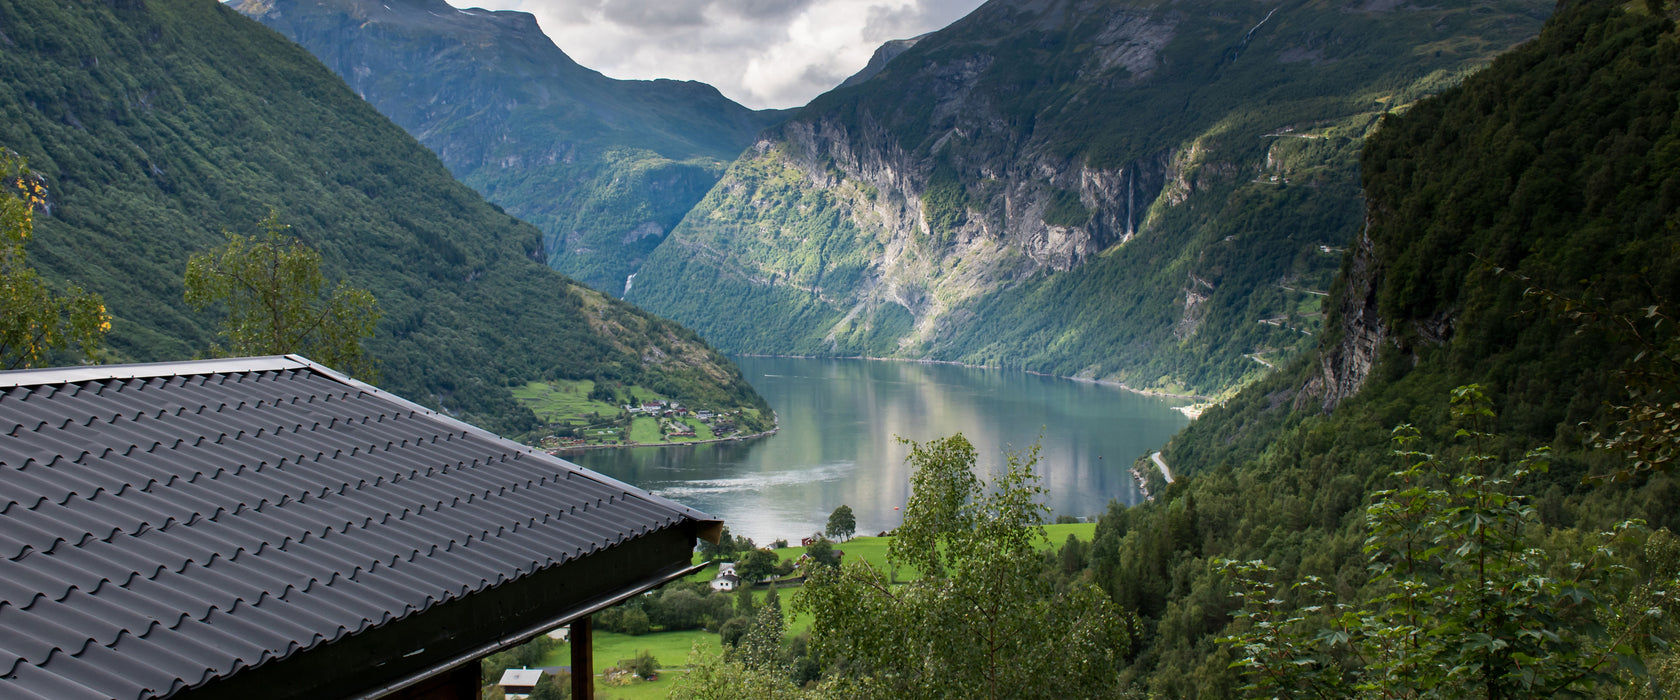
[
  {"x": 606, "y": 168},
  {"x": 1557, "y": 169},
  {"x": 1151, "y": 193},
  {"x": 158, "y": 125}
]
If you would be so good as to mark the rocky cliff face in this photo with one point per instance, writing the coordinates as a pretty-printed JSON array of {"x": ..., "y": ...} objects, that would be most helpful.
[
  {"x": 1130, "y": 191},
  {"x": 1359, "y": 333},
  {"x": 604, "y": 167}
]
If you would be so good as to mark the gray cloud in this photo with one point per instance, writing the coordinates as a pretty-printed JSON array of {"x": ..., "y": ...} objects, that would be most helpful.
[
  {"x": 885, "y": 23},
  {"x": 654, "y": 15},
  {"x": 765, "y": 10},
  {"x": 761, "y": 53}
]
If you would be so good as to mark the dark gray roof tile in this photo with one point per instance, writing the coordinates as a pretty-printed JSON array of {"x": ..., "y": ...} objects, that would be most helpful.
[
  {"x": 38, "y": 636},
  {"x": 164, "y": 525},
  {"x": 160, "y": 664},
  {"x": 54, "y": 681}
]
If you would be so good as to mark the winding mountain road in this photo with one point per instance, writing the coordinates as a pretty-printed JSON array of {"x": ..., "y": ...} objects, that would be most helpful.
[{"x": 1165, "y": 473}]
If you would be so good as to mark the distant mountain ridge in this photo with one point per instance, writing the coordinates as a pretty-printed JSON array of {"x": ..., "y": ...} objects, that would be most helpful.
[
  {"x": 159, "y": 125},
  {"x": 878, "y": 60},
  {"x": 1156, "y": 194},
  {"x": 606, "y": 168}
]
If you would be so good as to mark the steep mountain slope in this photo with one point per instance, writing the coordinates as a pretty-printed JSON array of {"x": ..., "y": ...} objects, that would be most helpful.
[
  {"x": 604, "y": 167},
  {"x": 878, "y": 60},
  {"x": 1556, "y": 168},
  {"x": 158, "y": 125},
  {"x": 1152, "y": 193}
]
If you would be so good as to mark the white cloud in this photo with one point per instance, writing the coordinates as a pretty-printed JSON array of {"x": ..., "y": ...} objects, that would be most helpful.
[{"x": 761, "y": 53}]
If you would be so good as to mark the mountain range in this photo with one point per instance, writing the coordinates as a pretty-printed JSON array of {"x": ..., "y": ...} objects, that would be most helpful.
[
  {"x": 1153, "y": 194},
  {"x": 605, "y": 168},
  {"x": 159, "y": 125}
]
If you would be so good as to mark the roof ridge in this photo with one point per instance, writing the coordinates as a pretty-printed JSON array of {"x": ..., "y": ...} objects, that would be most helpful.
[{"x": 149, "y": 370}]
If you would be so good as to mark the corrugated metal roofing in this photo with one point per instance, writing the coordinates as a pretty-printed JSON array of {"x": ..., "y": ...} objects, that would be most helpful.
[{"x": 164, "y": 525}]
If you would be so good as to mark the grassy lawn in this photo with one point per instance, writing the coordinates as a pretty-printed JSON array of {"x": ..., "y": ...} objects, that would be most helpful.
[
  {"x": 565, "y": 400},
  {"x": 670, "y": 648},
  {"x": 701, "y": 430},
  {"x": 602, "y": 435},
  {"x": 1058, "y": 533},
  {"x": 656, "y": 690},
  {"x": 874, "y": 549},
  {"x": 645, "y": 430}
]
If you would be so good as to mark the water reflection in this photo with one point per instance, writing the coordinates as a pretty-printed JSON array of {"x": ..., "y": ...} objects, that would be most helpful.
[{"x": 840, "y": 424}]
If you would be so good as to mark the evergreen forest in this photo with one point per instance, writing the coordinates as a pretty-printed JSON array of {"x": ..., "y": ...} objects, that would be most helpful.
[{"x": 1521, "y": 238}]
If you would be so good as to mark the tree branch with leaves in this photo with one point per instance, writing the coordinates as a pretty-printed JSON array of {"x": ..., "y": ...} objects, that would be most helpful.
[
  {"x": 35, "y": 322},
  {"x": 271, "y": 287},
  {"x": 1463, "y": 598},
  {"x": 978, "y": 622}
]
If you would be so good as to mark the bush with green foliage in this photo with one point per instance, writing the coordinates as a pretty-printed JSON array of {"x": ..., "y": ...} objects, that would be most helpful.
[
  {"x": 821, "y": 553},
  {"x": 553, "y": 686},
  {"x": 727, "y": 548},
  {"x": 644, "y": 665},
  {"x": 1464, "y": 599}
]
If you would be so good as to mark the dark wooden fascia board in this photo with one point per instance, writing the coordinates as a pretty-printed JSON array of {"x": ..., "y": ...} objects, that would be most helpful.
[{"x": 389, "y": 657}]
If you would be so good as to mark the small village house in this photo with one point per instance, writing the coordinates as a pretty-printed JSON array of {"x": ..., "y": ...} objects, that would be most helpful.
[{"x": 726, "y": 581}]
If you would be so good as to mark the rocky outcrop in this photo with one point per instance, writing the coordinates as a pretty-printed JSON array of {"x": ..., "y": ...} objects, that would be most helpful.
[
  {"x": 1003, "y": 237},
  {"x": 1343, "y": 364}
]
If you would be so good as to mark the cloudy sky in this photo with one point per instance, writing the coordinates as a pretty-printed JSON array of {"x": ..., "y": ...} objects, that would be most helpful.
[{"x": 761, "y": 53}]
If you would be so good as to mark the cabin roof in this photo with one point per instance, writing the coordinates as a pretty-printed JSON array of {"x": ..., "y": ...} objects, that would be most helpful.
[
  {"x": 521, "y": 677},
  {"x": 166, "y": 525}
]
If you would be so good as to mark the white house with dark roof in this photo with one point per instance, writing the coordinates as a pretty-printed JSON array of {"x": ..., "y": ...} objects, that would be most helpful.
[
  {"x": 268, "y": 528},
  {"x": 726, "y": 581}
]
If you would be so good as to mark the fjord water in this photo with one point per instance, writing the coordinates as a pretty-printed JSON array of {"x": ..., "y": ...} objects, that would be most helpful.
[{"x": 840, "y": 420}]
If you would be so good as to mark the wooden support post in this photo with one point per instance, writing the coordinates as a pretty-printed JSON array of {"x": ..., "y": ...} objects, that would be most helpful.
[{"x": 583, "y": 659}]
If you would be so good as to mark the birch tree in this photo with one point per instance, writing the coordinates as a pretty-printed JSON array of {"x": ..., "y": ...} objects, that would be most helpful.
[{"x": 271, "y": 287}]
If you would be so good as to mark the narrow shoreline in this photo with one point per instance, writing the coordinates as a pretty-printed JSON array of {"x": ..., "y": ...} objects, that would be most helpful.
[
  {"x": 1143, "y": 483},
  {"x": 1142, "y": 486},
  {"x": 733, "y": 438},
  {"x": 953, "y": 363}
]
